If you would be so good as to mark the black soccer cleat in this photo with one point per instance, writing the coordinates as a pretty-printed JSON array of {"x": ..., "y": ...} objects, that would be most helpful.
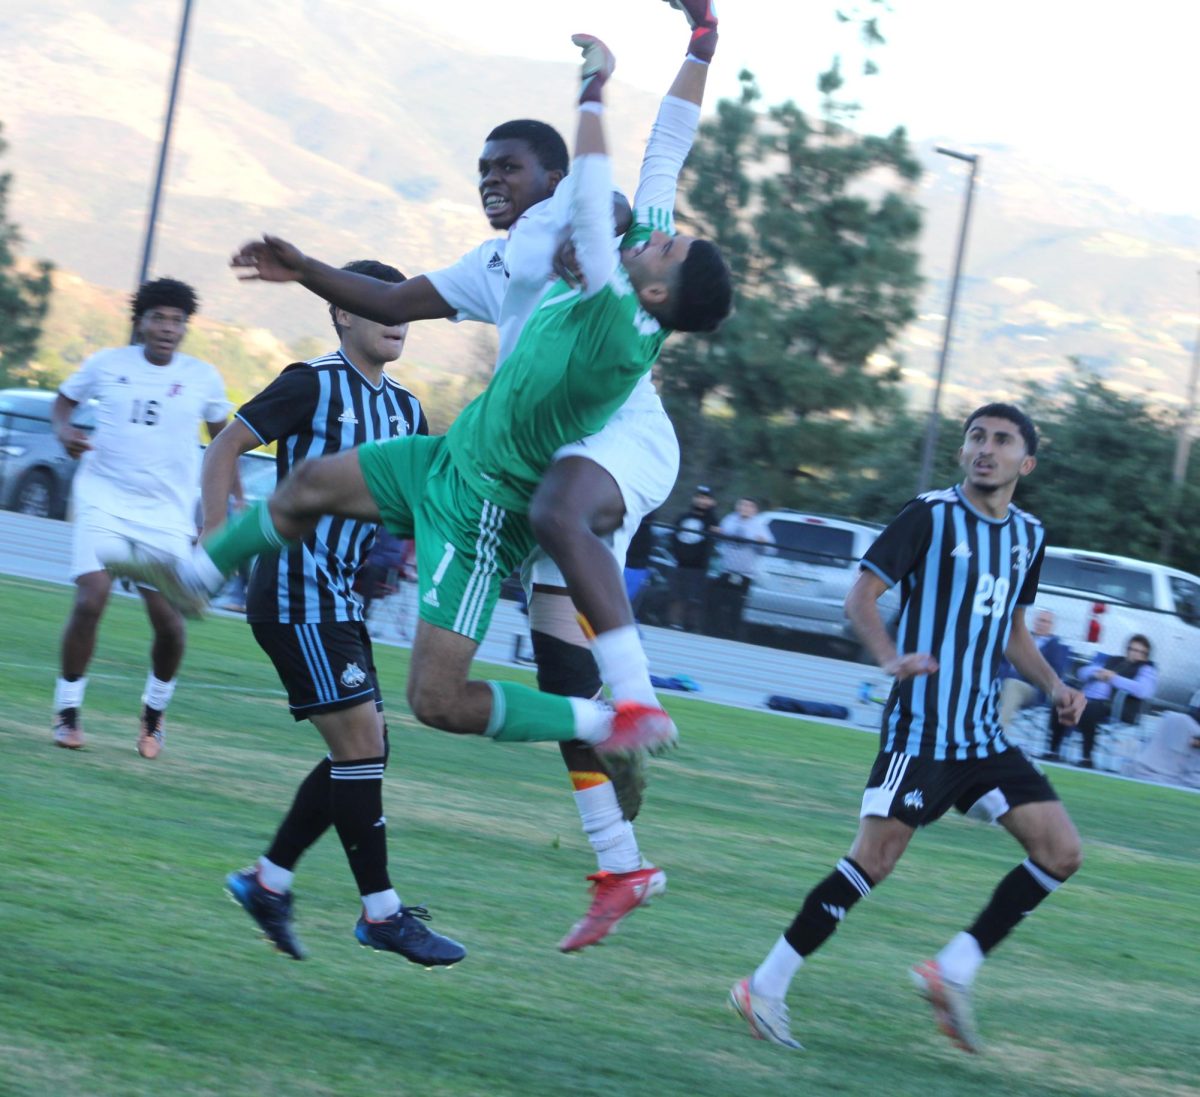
[
  {"x": 405, "y": 932},
  {"x": 272, "y": 911}
]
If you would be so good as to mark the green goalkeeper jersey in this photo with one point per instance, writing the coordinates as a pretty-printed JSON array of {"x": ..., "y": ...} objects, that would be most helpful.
[{"x": 576, "y": 362}]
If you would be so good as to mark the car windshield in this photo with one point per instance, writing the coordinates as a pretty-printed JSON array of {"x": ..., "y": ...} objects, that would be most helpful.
[
  {"x": 813, "y": 543},
  {"x": 1099, "y": 578}
]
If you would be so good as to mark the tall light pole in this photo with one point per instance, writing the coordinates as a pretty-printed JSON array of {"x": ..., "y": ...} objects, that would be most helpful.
[
  {"x": 931, "y": 428},
  {"x": 1183, "y": 445},
  {"x": 165, "y": 146}
]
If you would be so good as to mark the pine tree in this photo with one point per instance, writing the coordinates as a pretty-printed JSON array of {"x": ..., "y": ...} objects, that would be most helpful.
[
  {"x": 24, "y": 295},
  {"x": 820, "y": 230}
]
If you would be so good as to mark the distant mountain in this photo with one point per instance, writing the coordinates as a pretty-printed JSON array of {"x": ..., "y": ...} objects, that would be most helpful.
[{"x": 354, "y": 132}]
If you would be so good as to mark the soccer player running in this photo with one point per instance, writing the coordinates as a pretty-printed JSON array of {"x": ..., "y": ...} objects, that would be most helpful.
[
  {"x": 596, "y": 492},
  {"x": 135, "y": 490},
  {"x": 968, "y": 562},
  {"x": 464, "y": 496},
  {"x": 307, "y": 618}
]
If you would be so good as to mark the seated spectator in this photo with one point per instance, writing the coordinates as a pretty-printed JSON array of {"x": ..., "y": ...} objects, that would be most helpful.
[
  {"x": 744, "y": 534},
  {"x": 1172, "y": 753},
  {"x": 1133, "y": 673},
  {"x": 1015, "y": 692}
]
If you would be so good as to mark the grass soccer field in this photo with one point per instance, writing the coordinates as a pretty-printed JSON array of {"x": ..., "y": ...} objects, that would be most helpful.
[{"x": 125, "y": 970}]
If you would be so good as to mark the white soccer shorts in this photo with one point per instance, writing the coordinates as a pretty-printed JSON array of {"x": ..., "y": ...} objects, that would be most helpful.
[
  {"x": 638, "y": 448},
  {"x": 99, "y": 535}
]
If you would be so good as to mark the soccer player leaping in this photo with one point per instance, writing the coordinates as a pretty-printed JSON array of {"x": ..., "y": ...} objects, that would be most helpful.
[
  {"x": 464, "y": 495},
  {"x": 598, "y": 489}
]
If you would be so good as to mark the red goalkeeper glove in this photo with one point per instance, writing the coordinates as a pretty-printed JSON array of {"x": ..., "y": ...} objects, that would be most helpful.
[
  {"x": 702, "y": 17},
  {"x": 598, "y": 65}
]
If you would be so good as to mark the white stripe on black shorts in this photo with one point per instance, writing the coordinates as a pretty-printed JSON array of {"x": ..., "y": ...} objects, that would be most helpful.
[
  {"x": 323, "y": 667},
  {"x": 919, "y": 791}
]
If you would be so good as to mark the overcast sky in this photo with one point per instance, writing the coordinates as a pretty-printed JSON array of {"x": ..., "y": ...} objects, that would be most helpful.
[{"x": 1091, "y": 94}]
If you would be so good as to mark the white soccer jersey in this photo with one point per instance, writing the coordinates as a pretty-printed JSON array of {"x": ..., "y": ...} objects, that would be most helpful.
[
  {"x": 502, "y": 280},
  {"x": 144, "y": 465}
]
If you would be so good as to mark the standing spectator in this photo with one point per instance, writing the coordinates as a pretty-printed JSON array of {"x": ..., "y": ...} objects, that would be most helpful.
[
  {"x": 637, "y": 559},
  {"x": 1015, "y": 692},
  {"x": 744, "y": 532},
  {"x": 1133, "y": 674},
  {"x": 692, "y": 545},
  {"x": 135, "y": 492}
]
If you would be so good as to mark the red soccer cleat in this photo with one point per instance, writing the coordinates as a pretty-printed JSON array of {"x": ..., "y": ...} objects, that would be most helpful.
[
  {"x": 639, "y": 727},
  {"x": 951, "y": 1004},
  {"x": 614, "y": 895}
]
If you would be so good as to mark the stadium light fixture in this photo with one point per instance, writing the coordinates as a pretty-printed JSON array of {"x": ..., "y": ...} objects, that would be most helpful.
[{"x": 931, "y": 427}]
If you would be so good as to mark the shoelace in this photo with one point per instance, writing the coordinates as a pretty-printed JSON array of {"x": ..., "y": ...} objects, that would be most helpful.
[{"x": 417, "y": 912}]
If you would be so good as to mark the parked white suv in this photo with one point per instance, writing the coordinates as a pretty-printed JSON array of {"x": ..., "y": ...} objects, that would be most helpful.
[
  {"x": 1101, "y": 600},
  {"x": 803, "y": 581}
]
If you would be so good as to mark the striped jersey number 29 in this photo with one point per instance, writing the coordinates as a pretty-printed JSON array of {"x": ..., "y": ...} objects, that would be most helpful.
[{"x": 991, "y": 596}]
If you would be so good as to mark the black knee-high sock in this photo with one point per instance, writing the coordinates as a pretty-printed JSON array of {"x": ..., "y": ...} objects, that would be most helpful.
[
  {"x": 1015, "y": 896},
  {"x": 357, "y": 809},
  {"x": 826, "y": 905},
  {"x": 308, "y": 818}
]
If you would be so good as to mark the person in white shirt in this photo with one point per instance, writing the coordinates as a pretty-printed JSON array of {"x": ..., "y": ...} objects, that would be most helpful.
[
  {"x": 745, "y": 534},
  {"x": 136, "y": 489},
  {"x": 594, "y": 496}
]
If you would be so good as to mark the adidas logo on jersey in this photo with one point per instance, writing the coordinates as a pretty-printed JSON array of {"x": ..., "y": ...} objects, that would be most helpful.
[
  {"x": 431, "y": 598},
  {"x": 495, "y": 262},
  {"x": 348, "y": 416},
  {"x": 963, "y": 550}
]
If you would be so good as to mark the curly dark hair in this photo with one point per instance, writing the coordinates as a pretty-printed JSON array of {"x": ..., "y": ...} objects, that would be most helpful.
[{"x": 164, "y": 293}]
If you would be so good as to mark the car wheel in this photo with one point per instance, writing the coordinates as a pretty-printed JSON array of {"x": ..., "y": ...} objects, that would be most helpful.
[{"x": 35, "y": 495}]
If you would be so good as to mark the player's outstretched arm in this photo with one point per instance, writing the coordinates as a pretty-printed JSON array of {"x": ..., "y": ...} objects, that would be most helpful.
[
  {"x": 690, "y": 81},
  {"x": 273, "y": 259},
  {"x": 591, "y": 201}
]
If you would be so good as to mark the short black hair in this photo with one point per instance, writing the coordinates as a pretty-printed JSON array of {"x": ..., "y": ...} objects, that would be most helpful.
[
  {"x": 544, "y": 141},
  {"x": 372, "y": 268},
  {"x": 702, "y": 296},
  {"x": 167, "y": 293},
  {"x": 1014, "y": 415},
  {"x": 1138, "y": 638}
]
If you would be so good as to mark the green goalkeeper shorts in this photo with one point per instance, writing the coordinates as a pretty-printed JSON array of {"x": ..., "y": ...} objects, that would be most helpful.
[{"x": 466, "y": 545}]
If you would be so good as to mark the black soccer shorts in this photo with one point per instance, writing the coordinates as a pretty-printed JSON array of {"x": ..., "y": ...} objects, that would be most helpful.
[
  {"x": 919, "y": 791},
  {"x": 324, "y": 667}
]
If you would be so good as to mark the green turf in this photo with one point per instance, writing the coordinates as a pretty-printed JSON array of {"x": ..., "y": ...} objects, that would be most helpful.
[{"x": 124, "y": 970}]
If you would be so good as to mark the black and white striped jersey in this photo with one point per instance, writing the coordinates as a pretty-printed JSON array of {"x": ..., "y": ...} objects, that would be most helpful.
[
  {"x": 961, "y": 576},
  {"x": 311, "y": 409}
]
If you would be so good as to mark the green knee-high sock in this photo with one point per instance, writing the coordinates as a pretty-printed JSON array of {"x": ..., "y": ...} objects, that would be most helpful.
[
  {"x": 250, "y": 533},
  {"x": 524, "y": 715}
]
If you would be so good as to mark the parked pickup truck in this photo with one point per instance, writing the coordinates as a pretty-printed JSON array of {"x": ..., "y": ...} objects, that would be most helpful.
[{"x": 1101, "y": 600}]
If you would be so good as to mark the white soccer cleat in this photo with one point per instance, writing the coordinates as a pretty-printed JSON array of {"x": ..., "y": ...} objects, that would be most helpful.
[
  {"x": 767, "y": 1017},
  {"x": 952, "y": 1008},
  {"x": 175, "y": 580}
]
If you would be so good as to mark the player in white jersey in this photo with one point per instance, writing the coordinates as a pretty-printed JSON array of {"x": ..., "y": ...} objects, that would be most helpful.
[
  {"x": 595, "y": 495},
  {"x": 136, "y": 489}
]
